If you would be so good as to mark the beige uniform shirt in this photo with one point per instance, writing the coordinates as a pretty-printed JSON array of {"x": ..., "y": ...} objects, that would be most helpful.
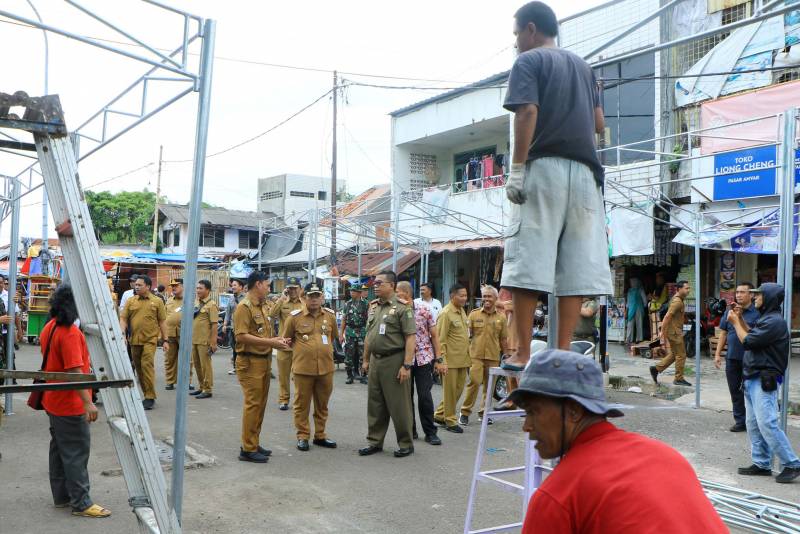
[
  {"x": 488, "y": 330},
  {"x": 453, "y": 330},
  {"x": 676, "y": 309},
  {"x": 206, "y": 319},
  {"x": 174, "y": 307},
  {"x": 144, "y": 315},
  {"x": 252, "y": 318},
  {"x": 282, "y": 310},
  {"x": 312, "y": 341}
]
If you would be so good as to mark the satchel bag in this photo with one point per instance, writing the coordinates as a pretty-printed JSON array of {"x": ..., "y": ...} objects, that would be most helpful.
[{"x": 36, "y": 397}]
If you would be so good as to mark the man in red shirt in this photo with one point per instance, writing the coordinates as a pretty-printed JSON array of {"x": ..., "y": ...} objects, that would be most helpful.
[{"x": 608, "y": 480}]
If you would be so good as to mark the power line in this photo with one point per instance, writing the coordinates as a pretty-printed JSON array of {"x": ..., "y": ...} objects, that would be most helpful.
[
  {"x": 256, "y": 62},
  {"x": 259, "y": 135},
  {"x": 146, "y": 165}
]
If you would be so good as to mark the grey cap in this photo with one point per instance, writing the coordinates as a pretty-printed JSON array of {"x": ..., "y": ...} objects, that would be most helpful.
[{"x": 564, "y": 374}]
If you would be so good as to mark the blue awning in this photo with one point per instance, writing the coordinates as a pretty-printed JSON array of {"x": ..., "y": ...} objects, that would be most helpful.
[{"x": 170, "y": 258}]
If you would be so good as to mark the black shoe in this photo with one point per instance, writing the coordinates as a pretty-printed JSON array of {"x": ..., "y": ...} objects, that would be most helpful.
[
  {"x": 327, "y": 443},
  {"x": 463, "y": 420},
  {"x": 191, "y": 387},
  {"x": 369, "y": 450},
  {"x": 654, "y": 373},
  {"x": 489, "y": 422},
  {"x": 363, "y": 380},
  {"x": 198, "y": 392},
  {"x": 682, "y": 382},
  {"x": 204, "y": 395},
  {"x": 738, "y": 428},
  {"x": 147, "y": 404},
  {"x": 170, "y": 387},
  {"x": 255, "y": 457},
  {"x": 433, "y": 439},
  {"x": 261, "y": 450},
  {"x": 405, "y": 451},
  {"x": 454, "y": 429},
  {"x": 283, "y": 407},
  {"x": 440, "y": 422},
  {"x": 302, "y": 445},
  {"x": 754, "y": 470},
  {"x": 788, "y": 474},
  {"x": 272, "y": 375},
  {"x": 349, "y": 380}
]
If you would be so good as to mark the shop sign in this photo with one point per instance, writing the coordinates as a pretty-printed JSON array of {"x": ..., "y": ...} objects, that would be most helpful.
[{"x": 748, "y": 173}]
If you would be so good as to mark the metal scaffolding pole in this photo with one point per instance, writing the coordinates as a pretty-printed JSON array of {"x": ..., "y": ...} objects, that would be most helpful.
[
  {"x": 190, "y": 273},
  {"x": 786, "y": 259},
  {"x": 12, "y": 285},
  {"x": 697, "y": 311}
]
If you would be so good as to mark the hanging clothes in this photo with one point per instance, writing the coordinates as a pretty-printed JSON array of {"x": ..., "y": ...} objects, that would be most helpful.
[{"x": 634, "y": 321}]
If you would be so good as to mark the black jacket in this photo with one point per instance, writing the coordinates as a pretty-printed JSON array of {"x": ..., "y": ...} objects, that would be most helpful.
[{"x": 767, "y": 344}]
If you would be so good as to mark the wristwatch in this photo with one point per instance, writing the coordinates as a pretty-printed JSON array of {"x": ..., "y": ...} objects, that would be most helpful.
[
  {"x": 408, "y": 366},
  {"x": 439, "y": 360}
]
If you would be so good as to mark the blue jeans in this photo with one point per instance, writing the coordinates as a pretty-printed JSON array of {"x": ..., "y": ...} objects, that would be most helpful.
[{"x": 766, "y": 437}]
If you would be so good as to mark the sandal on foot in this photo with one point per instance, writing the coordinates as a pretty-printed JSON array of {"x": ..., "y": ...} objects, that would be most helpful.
[{"x": 94, "y": 511}]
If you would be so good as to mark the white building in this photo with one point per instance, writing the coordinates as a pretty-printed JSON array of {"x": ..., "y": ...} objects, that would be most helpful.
[
  {"x": 291, "y": 196},
  {"x": 222, "y": 231}
]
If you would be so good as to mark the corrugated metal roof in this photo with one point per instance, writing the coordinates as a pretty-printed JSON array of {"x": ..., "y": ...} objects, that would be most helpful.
[
  {"x": 453, "y": 93},
  {"x": 467, "y": 244},
  {"x": 179, "y": 213},
  {"x": 374, "y": 263}
]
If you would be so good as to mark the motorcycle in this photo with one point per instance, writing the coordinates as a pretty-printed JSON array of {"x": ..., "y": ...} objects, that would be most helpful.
[{"x": 224, "y": 337}]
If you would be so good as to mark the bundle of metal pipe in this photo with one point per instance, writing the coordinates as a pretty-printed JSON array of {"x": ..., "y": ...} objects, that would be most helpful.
[{"x": 751, "y": 511}]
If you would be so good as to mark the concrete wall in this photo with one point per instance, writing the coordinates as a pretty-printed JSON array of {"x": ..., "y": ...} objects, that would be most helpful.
[
  {"x": 231, "y": 243},
  {"x": 287, "y": 204}
]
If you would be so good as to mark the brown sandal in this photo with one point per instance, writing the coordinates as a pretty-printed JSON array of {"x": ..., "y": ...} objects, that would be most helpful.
[{"x": 93, "y": 511}]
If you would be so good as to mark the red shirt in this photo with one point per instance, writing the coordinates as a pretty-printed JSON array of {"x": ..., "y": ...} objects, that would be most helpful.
[
  {"x": 615, "y": 481},
  {"x": 68, "y": 351}
]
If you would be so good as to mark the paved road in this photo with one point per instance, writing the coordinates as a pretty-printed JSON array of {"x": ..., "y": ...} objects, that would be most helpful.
[{"x": 325, "y": 491}]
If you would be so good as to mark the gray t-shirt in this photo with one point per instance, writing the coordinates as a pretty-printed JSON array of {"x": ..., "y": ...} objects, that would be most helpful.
[{"x": 564, "y": 88}]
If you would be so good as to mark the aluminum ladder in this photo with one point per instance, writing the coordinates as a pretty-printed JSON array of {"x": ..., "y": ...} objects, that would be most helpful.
[
  {"x": 532, "y": 469},
  {"x": 138, "y": 457}
]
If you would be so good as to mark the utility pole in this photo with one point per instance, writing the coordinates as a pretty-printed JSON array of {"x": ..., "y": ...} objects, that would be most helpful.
[
  {"x": 158, "y": 194},
  {"x": 333, "y": 174}
]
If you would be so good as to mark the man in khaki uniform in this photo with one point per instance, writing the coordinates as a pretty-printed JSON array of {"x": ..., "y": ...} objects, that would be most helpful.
[
  {"x": 454, "y": 342},
  {"x": 488, "y": 337},
  {"x": 146, "y": 315},
  {"x": 312, "y": 330},
  {"x": 174, "y": 307},
  {"x": 672, "y": 337},
  {"x": 388, "y": 358},
  {"x": 253, "y": 333},
  {"x": 204, "y": 339},
  {"x": 289, "y": 302}
]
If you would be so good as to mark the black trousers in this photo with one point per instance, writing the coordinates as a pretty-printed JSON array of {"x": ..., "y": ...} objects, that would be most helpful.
[
  {"x": 70, "y": 441},
  {"x": 733, "y": 372},
  {"x": 422, "y": 381}
]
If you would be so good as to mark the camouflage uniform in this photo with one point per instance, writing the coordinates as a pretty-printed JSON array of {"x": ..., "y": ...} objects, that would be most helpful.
[{"x": 355, "y": 314}]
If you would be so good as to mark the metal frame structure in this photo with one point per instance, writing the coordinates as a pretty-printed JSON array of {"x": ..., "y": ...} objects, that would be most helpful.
[{"x": 164, "y": 69}]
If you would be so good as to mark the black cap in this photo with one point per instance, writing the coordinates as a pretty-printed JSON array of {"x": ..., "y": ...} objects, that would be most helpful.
[{"x": 312, "y": 288}]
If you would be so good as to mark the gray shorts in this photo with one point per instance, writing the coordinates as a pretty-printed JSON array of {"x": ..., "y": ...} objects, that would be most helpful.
[{"x": 556, "y": 241}]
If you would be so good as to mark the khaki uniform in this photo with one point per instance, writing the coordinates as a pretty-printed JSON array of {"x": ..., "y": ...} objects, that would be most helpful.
[
  {"x": 677, "y": 350},
  {"x": 253, "y": 367},
  {"x": 312, "y": 367},
  {"x": 144, "y": 315},
  {"x": 453, "y": 331},
  {"x": 205, "y": 320},
  {"x": 487, "y": 331},
  {"x": 388, "y": 324},
  {"x": 174, "y": 307},
  {"x": 281, "y": 311}
]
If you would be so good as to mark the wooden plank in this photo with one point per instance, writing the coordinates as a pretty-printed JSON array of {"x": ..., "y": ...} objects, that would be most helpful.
[
  {"x": 41, "y": 375},
  {"x": 61, "y": 386}
]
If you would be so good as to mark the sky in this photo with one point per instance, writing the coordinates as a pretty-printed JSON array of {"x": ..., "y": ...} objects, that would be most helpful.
[{"x": 452, "y": 41}]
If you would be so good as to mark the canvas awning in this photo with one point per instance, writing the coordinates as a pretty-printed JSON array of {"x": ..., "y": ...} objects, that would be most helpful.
[{"x": 467, "y": 244}]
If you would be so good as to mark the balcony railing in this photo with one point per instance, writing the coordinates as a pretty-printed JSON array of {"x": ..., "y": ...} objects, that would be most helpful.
[{"x": 487, "y": 182}]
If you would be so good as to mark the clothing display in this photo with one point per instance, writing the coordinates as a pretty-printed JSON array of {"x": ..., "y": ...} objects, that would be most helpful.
[{"x": 634, "y": 320}]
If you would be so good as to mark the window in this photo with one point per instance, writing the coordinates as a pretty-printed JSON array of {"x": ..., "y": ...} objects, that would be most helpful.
[
  {"x": 322, "y": 195},
  {"x": 301, "y": 194},
  {"x": 629, "y": 107},
  {"x": 176, "y": 237},
  {"x": 461, "y": 172},
  {"x": 211, "y": 236},
  {"x": 270, "y": 195},
  {"x": 165, "y": 238},
  {"x": 248, "y": 239}
]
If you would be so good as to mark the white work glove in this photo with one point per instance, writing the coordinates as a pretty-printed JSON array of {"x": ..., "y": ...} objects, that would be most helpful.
[{"x": 515, "y": 186}]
